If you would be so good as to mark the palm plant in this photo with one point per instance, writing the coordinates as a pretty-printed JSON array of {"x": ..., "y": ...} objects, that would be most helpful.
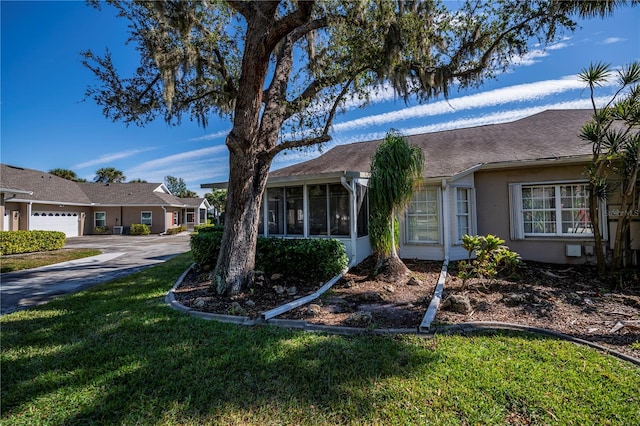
[{"x": 395, "y": 169}]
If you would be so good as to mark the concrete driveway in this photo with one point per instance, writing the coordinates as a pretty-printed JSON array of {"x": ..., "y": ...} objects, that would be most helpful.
[{"x": 123, "y": 255}]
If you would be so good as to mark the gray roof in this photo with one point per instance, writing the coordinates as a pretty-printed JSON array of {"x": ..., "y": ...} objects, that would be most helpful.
[
  {"x": 47, "y": 188},
  {"x": 549, "y": 135}
]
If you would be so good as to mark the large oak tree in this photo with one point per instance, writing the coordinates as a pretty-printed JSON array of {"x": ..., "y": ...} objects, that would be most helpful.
[{"x": 282, "y": 70}]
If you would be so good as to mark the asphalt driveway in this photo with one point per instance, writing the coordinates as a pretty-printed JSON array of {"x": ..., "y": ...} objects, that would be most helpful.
[{"x": 122, "y": 255}]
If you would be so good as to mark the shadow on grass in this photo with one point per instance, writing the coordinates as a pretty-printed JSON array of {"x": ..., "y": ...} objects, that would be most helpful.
[{"x": 115, "y": 354}]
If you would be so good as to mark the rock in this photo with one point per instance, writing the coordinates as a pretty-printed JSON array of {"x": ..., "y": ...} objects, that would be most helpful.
[
  {"x": 292, "y": 291},
  {"x": 389, "y": 288},
  {"x": 199, "y": 302},
  {"x": 515, "y": 299},
  {"x": 279, "y": 289},
  {"x": 414, "y": 281},
  {"x": 360, "y": 317},
  {"x": 314, "y": 309},
  {"x": 350, "y": 283},
  {"x": 276, "y": 277},
  {"x": 457, "y": 303},
  {"x": 370, "y": 296},
  {"x": 250, "y": 303},
  {"x": 236, "y": 309}
]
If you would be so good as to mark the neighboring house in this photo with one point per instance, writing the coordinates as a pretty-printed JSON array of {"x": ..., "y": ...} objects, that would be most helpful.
[
  {"x": 31, "y": 199},
  {"x": 523, "y": 181}
]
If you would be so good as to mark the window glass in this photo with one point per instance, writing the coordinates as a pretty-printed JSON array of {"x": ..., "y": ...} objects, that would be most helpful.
[
  {"x": 100, "y": 218},
  {"x": 318, "y": 202},
  {"x": 363, "y": 210},
  {"x": 145, "y": 218},
  {"x": 295, "y": 212},
  {"x": 556, "y": 210},
  {"x": 462, "y": 212},
  {"x": 275, "y": 214},
  {"x": 339, "y": 210},
  {"x": 422, "y": 217}
]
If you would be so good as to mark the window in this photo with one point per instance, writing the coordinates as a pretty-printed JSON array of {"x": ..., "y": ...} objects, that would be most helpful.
[
  {"x": 99, "y": 219},
  {"x": 339, "y": 210},
  {"x": 275, "y": 214},
  {"x": 551, "y": 210},
  {"x": 422, "y": 217},
  {"x": 145, "y": 218},
  {"x": 295, "y": 211},
  {"x": 362, "y": 204},
  {"x": 463, "y": 212},
  {"x": 318, "y": 210},
  {"x": 175, "y": 218}
]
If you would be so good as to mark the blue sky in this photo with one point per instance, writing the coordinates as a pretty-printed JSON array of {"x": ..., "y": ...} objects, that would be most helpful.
[{"x": 45, "y": 124}]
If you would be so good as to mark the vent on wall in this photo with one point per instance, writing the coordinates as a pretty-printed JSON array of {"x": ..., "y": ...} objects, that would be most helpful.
[{"x": 574, "y": 250}]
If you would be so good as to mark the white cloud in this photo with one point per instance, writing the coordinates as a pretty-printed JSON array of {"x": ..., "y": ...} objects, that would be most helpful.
[
  {"x": 216, "y": 135},
  {"x": 612, "y": 40},
  {"x": 107, "y": 158}
]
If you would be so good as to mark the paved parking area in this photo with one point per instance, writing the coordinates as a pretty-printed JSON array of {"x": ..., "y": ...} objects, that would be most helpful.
[{"x": 123, "y": 255}]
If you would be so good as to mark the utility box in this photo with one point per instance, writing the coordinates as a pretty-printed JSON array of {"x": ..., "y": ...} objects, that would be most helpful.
[
  {"x": 588, "y": 250},
  {"x": 574, "y": 250},
  {"x": 117, "y": 230}
]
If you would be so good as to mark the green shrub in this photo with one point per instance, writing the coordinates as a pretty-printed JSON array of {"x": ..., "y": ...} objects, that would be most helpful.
[
  {"x": 492, "y": 258},
  {"x": 208, "y": 228},
  {"x": 14, "y": 242},
  {"x": 299, "y": 259},
  {"x": 176, "y": 230},
  {"x": 139, "y": 229},
  {"x": 101, "y": 230}
]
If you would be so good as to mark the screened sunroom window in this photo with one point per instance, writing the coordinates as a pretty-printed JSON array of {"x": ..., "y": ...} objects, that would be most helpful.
[
  {"x": 328, "y": 210},
  {"x": 463, "y": 212},
  {"x": 422, "y": 217}
]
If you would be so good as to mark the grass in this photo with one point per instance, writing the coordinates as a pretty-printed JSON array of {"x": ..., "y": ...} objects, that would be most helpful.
[
  {"x": 116, "y": 354},
  {"x": 19, "y": 262}
]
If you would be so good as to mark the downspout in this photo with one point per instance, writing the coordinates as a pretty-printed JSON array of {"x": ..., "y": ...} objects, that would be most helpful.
[
  {"x": 164, "y": 221},
  {"x": 29, "y": 209},
  {"x": 354, "y": 218},
  {"x": 445, "y": 218}
]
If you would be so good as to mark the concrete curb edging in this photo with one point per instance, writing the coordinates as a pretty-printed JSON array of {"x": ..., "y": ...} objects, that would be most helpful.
[{"x": 426, "y": 329}]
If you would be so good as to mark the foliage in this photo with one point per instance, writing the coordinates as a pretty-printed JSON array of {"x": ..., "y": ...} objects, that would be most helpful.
[
  {"x": 176, "y": 230},
  {"x": 109, "y": 175},
  {"x": 14, "y": 242},
  {"x": 217, "y": 198},
  {"x": 492, "y": 258},
  {"x": 208, "y": 228},
  {"x": 102, "y": 356},
  {"x": 312, "y": 259},
  {"x": 282, "y": 70},
  {"x": 139, "y": 229},
  {"x": 396, "y": 167},
  {"x": 178, "y": 187},
  {"x": 614, "y": 135},
  {"x": 138, "y": 180},
  {"x": 66, "y": 174},
  {"x": 101, "y": 230}
]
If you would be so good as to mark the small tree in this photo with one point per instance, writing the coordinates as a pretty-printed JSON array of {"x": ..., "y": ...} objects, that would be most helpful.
[
  {"x": 217, "y": 198},
  {"x": 109, "y": 175},
  {"x": 395, "y": 169},
  {"x": 614, "y": 135},
  {"x": 178, "y": 187}
]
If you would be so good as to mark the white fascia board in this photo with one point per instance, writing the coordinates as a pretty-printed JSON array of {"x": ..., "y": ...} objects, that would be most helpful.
[{"x": 15, "y": 191}]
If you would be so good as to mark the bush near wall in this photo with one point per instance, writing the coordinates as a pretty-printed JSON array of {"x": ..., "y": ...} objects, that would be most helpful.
[
  {"x": 101, "y": 230},
  {"x": 208, "y": 228},
  {"x": 314, "y": 260},
  {"x": 139, "y": 229},
  {"x": 14, "y": 242},
  {"x": 176, "y": 230}
]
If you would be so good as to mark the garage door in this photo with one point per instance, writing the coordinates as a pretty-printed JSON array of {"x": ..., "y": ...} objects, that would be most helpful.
[{"x": 66, "y": 222}]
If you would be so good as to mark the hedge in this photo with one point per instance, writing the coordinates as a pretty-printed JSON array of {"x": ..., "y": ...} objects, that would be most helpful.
[
  {"x": 301, "y": 259},
  {"x": 14, "y": 242},
  {"x": 139, "y": 229}
]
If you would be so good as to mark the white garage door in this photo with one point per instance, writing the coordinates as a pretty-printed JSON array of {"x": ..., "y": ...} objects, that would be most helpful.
[{"x": 66, "y": 222}]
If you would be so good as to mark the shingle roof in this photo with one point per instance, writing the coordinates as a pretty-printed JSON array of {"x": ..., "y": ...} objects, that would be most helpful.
[
  {"x": 552, "y": 134},
  {"x": 46, "y": 187},
  {"x": 192, "y": 202}
]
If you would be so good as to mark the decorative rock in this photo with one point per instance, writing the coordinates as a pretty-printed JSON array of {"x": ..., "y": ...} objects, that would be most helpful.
[
  {"x": 350, "y": 283},
  {"x": 292, "y": 291},
  {"x": 279, "y": 289},
  {"x": 370, "y": 296},
  {"x": 314, "y": 309},
  {"x": 199, "y": 302},
  {"x": 276, "y": 277},
  {"x": 514, "y": 299},
  {"x": 457, "y": 303},
  {"x": 414, "y": 281},
  {"x": 236, "y": 309},
  {"x": 360, "y": 317},
  {"x": 389, "y": 288},
  {"x": 250, "y": 303}
]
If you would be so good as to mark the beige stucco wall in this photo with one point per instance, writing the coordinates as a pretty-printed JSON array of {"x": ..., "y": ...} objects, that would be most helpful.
[{"x": 492, "y": 201}]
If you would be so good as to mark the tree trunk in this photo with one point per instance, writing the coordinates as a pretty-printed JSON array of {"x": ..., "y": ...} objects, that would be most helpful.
[
  {"x": 597, "y": 236},
  {"x": 623, "y": 221},
  {"x": 236, "y": 259}
]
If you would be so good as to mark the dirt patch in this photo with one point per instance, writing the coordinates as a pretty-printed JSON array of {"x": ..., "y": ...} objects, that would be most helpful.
[{"x": 571, "y": 300}]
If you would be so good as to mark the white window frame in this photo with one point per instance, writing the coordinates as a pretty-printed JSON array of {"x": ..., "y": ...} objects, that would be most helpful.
[
  {"x": 437, "y": 215},
  {"x": 143, "y": 220},
  {"x": 468, "y": 214},
  {"x": 517, "y": 211},
  {"x": 175, "y": 218},
  {"x": 95, "y": 219}
]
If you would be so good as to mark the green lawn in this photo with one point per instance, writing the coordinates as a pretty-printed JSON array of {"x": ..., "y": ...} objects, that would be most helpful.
[
  {"x": 116, "y": 354},
  {"x": 19, "y": 262}
]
